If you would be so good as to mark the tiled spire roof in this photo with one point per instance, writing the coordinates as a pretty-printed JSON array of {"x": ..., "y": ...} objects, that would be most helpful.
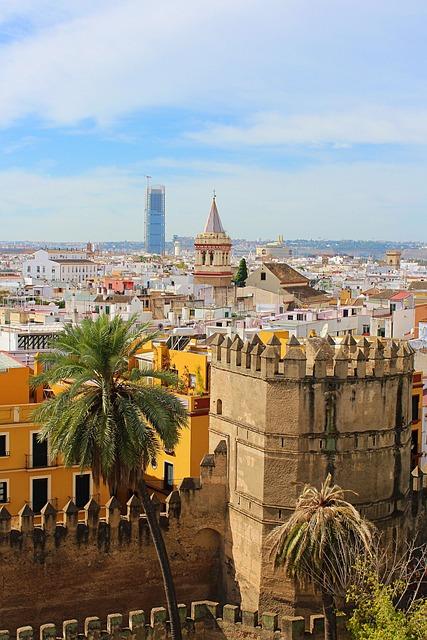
[{"x": 213, "y": 223}]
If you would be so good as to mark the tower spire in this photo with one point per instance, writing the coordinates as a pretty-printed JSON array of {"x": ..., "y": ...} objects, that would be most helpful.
[{"x": 213, "y": 223}]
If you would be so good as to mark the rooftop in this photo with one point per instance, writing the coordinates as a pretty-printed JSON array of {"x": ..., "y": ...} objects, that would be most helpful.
[
  {"x": 8, "y": 362},
  {"x": 285, "y": 273},
  {"x": 401, "y": 295}
]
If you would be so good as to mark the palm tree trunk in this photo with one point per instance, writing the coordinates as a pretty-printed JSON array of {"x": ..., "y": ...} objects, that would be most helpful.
[
  {"x": 330, "y": 616},
  {"x": 162, "y": 555}
]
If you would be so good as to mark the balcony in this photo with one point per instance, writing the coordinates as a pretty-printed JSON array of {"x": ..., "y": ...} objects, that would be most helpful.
[
  {"x": 10, "y": 414},
  {"x": 40, "y": 462}
]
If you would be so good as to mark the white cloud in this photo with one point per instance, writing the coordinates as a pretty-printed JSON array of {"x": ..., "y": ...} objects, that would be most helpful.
[
  {"x": 128, "y": 55},
  {"x": 341, "y": 129},
  {"x": 105, "y": 58},
  {"x": 360, "y": 201}
]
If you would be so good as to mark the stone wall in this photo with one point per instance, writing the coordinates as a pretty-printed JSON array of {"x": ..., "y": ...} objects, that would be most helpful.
[
  {"x": 75, "y": 563},
  {"x": 205, "y": 620}
]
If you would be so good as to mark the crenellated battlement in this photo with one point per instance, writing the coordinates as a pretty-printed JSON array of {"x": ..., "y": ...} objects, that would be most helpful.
[
  {"x": 84, "y": 527},
  {"x": 202, "y": 619},
  {"x": 314, "y": 357}
]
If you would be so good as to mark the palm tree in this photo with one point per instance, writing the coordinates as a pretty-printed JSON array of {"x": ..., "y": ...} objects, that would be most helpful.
[
  {"x": 108, "y": 418},
  {"x": 320, "y": 544}
]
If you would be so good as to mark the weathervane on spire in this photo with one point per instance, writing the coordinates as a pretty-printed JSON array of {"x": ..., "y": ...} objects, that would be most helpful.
[{"x": 214, "y": 194}]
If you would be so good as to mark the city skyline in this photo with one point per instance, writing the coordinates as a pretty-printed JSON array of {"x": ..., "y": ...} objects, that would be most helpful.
[{"x": 293, "y": 143}]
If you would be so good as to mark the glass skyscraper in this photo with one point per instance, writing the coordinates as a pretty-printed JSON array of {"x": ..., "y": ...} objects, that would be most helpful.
[{"x": 155, "y": 220}]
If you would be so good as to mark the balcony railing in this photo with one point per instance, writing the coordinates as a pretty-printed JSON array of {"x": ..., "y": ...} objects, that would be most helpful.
[{"x": 39, "y": 462}]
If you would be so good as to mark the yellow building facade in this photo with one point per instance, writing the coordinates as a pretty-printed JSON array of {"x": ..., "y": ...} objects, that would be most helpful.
[
  {"x": 28, "y": 473},
  {"x": 192, "y": 367}
]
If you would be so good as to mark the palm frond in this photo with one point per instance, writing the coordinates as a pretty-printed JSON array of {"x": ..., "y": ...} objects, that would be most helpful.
[
  {"x": 104, "y": 418},
  {"x": 321, "y": 540}
]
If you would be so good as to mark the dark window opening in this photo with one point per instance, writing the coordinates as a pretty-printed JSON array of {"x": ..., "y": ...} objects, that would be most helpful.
[
  {"x": 219, "y": 407},
  {"x": 263, "y": 276},
  {"x": 415, "y": 409},
  {"x": 3, "y": 451},
  {"x": 40, "y": 495},
  {"x": 39, "y": 452},
  {"x": 3, "y": 492},
  {"x": 82, "y": 490},
  {"x": 345, "y": 313},
  {"x": 168, "y": 476}
]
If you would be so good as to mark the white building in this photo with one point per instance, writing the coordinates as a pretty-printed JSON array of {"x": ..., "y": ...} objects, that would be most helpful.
[
  {"x": 59, "y": 266},
  {"x": 24, "y": 341}
]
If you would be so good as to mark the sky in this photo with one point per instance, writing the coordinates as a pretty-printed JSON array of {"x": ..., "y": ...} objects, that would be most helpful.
[{"x": 308, "y": 117}]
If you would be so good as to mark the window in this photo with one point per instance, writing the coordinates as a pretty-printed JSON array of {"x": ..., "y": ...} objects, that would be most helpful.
[
  {"x": 300, "y": 316},
  {"x": 263, "y": 276},
  {"x": 415, "y": 409},
  {"x": 219, "y": 407},
  {"x": 192, "y": 380},
  {"x": 82, "y": 489},
  {"x": 392, "y": 306},
  {"x": 353, "y": 312},
  {"x": 40, "y": 493},
  {"x": 168, "y": 476},
  {"x": 4, "y": 444},
  {"x": 38, "y": 269},
  {"x": 38, "y": 451},
  {"x": 345, "y": 313},
  {"x": 4, "y": 491},
  {"x": 28, "y": 269},
  {"x": 366, "y": 329}
]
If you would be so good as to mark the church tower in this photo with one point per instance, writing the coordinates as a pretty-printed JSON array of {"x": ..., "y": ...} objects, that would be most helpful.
[{"x": 213, "y": 253}]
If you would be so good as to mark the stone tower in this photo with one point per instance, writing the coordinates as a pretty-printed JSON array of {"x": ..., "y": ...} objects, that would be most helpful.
[
  {"x": 213, "y": 248},
  {"x": 342, "y": 407},
  {"x": 392, "y": 258}
]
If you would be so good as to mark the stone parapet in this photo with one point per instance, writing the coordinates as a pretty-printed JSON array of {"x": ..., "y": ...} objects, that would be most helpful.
[
  {"x": 202, "y": 619},
  {"x": 85, "y": 526},
  {"x": 315, "y": 357},
  {"x": 65, "y": 564}
]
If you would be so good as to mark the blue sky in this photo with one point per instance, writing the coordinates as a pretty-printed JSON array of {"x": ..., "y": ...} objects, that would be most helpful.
[{"x": 308, "y": 117}]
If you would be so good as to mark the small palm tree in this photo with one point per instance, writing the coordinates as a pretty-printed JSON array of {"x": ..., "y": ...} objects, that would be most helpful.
[
  {"x": 107, "y": 418},
  {"x": 320, "y": 544}
]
